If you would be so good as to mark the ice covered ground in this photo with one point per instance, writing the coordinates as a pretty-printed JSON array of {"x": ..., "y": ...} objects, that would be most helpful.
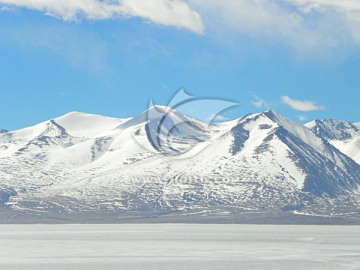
[{"x": 165, "y": 246}]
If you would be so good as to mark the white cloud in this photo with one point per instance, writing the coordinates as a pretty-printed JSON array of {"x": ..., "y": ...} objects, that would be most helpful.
[
  {"x": 68, "y": 9},
  {"x": 302, "y": 105},
  {"x": 302, "y": 24},
  {"x": 302, "y": 117},
  {"x": 175, "y": 13},
  {"x": 260, "y": 103},
  {"x": 166, "y": 12},
  {"x": 349, "y": 10},
  {"x": 319, "y": 5}
]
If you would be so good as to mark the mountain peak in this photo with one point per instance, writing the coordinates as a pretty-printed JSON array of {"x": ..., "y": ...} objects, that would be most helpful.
[
  {"x": 333, "y": 129},
  {"x": 344, "y": 135},
  {"x": 270, "y": 111},
  {"x": 156, "y": 112},
  {"x": 3, "y": 130},
  {"x": 278, "y": 118},
  {"x": 77, "y": 114},
  {"x": 272, "y": 114},
  {"x": 85, "y": 124},
  {"x": 160, "y": 108}
]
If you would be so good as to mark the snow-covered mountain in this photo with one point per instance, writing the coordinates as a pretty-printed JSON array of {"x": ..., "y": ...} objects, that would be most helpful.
[
  {"x": 90, "y": 168},
  {"x": 3, "y": 130},
  {"x": 343, "y": 135}
]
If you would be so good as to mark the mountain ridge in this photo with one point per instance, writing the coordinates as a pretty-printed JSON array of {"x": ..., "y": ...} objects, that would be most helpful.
[
  {"x": 263, "y": 165},
  {"x": 342, "y": 134}
]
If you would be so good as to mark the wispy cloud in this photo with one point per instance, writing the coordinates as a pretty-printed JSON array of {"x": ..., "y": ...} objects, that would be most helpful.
[
  {"x": 302, "y": 24},
  {"x": 302, "y": 117},
  {"x": 349, "y": 12},
  {"x": 302, "y": 105},
  {"x": 166, "y": 12},
  {"x": 175, "y": 13},
  {"x": 260, "y": 103},
  {"x": 80, "y": 49}
]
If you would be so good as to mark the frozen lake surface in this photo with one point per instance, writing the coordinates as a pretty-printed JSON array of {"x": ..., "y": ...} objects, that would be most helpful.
[{"x": 179, "y": 246}]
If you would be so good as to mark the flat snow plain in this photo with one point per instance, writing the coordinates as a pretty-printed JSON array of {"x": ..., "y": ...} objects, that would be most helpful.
[{"x": 178, "y": 246}]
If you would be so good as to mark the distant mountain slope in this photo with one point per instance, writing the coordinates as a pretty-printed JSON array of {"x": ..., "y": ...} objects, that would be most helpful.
[
  {"x": 99, "y": 169},
  {"x": 3, "y": 130},
  {"x": 343, "y": 135}
]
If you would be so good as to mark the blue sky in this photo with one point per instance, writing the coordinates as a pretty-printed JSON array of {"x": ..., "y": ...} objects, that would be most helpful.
[{"x": 299, "y": 57}]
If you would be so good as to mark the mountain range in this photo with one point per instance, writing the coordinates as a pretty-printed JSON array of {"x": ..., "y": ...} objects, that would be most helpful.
[{"x": 260, "y": 168}]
